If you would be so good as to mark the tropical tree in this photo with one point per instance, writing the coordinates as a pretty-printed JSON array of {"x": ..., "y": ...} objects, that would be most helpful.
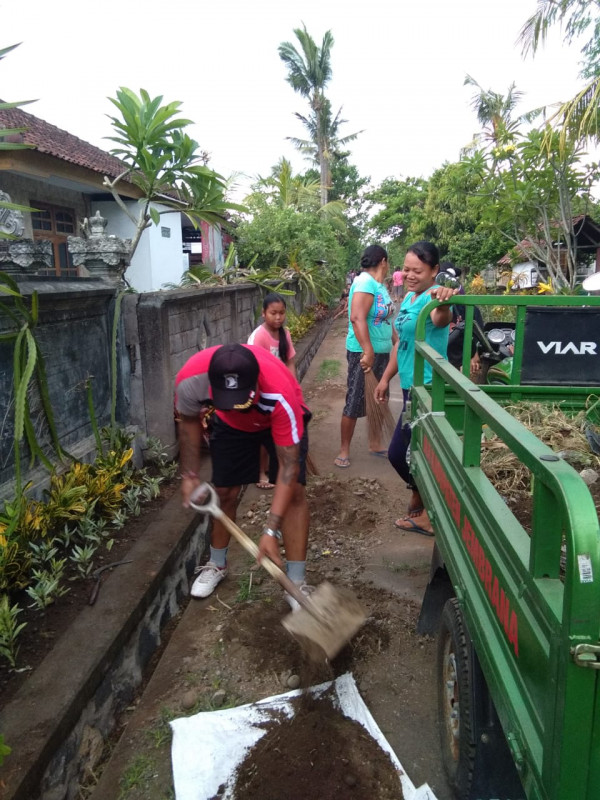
[
  {"x": 494, "y": 113},
  {"x": 576, "y": 17},
  {"x": 300, "y": 192},
  {"x": 579, "y": 116},
  {"x": 285, "y": 189},
  {"x": 452, "y": 217},
  {"x": 163, "y": 162},
  {"x": 300, "y": 243},
  {"x": 350, "y": 189},
  {"x": 531, "y": 191},
  {"x": 401, "y": 204},
  {"x": 309, "y": 72},
  {"x": 323, "y": 128}
]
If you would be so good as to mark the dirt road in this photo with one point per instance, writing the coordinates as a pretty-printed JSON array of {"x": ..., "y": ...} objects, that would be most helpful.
[{"x": 230, "y": 648}]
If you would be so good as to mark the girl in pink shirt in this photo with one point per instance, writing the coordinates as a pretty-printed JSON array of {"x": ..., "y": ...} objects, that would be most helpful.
[{"x": 274, "y": 337}]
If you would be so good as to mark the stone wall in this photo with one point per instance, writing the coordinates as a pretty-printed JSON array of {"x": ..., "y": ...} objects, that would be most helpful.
[
  {"x": 159, "y": 331},
  {"x": 163, "y": 329},
  {"x": 73, "y": 333}
]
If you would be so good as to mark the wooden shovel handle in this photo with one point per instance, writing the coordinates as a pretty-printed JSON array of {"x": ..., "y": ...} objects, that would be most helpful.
[{"x": 265, "y": 561}]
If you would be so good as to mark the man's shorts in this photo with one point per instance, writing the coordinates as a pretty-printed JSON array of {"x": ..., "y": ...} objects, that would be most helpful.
[
  {"x": 236, "y": 454},
  {"x": 355, "y": 394}
]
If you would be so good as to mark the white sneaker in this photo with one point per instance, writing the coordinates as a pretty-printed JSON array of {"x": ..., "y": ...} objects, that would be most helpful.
[
  {"x": 306, "y": 591},
  {"x": 209, "y": 577}
]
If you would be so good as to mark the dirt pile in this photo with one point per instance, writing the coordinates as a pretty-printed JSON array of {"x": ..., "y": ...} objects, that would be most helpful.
[{"x": 318, "y": 754}]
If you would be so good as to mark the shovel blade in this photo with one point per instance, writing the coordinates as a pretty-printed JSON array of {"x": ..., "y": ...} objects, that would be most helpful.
[{"x": 335, "y": 616}]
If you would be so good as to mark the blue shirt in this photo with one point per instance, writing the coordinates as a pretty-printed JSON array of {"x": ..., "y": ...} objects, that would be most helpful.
[
  {"x": 405, "y": 324},
  {"x": 378, "y": 318}
]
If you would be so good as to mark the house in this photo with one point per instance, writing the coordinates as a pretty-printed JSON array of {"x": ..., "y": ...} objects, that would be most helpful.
[
  {"x": 526, "y": 270},
  {"x": 61, "y": 177}
]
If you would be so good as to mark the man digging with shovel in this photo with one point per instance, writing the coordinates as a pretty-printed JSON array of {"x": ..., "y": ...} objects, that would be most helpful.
[{"x": 256, "y": 401}]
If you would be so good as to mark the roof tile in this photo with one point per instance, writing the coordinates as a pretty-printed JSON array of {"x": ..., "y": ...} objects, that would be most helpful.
[{"x": 47, "y": 138}]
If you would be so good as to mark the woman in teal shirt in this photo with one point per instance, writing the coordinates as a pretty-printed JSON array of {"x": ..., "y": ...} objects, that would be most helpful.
[
  {"x": 368, "y": 342},
  {"x": 421, "y": 266}
]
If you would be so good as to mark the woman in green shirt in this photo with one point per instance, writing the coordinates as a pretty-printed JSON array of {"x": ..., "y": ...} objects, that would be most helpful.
[{"x": 421, "y": 266}]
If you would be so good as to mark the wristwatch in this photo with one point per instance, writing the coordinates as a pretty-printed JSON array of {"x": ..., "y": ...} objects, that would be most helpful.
[{"x": 276, "y": 534}]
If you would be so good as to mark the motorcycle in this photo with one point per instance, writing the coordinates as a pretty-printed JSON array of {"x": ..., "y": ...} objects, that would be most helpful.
[
  {"x": 495, "y": 346},
  {"x": 493, "y": 342}
]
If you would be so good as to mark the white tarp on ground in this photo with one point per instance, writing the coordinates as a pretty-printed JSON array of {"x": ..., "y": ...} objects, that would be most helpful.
[{"x": 208, "y": 747}]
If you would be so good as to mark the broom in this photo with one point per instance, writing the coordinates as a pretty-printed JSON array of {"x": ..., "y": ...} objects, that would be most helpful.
[{"x": 380, "y": 421}]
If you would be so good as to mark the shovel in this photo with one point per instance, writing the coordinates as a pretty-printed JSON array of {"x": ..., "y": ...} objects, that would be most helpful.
[{"x": 326, "y": 621}]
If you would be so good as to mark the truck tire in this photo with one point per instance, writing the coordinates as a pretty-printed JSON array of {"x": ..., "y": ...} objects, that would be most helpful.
[{"x": 454, "y": 700}]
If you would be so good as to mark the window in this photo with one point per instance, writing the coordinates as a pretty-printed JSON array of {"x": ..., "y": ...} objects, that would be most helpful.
[{"x": 55, "y": 224}]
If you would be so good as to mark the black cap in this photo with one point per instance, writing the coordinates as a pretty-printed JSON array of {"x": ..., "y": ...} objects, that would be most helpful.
[{"x": 233, "y": 374}]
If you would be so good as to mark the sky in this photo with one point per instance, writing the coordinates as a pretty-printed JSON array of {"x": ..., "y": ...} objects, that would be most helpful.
[{"x": 398, "y": 72}]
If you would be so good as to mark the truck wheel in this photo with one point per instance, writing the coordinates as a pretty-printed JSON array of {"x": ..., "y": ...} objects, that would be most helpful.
[{"x": 454, "y": 700}]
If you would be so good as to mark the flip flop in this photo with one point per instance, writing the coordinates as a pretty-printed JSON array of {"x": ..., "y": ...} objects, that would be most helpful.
[
  {"x": 412, "y": 527},
  {"x": 379, "y": 453},
  {"x": 342, "y": 463},
  {"x": 265, "y": 485}
]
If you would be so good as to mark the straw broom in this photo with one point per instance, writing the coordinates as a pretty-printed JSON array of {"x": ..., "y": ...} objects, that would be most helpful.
[{"x": 380, "y": 421}]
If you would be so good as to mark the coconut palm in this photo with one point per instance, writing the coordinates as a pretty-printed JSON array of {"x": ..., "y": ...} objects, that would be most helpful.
[
  {"x": 323, "y": 128},
  {"x": 579, "y": 116},
  {"x": 494, "y": 113},
  {"x": 309, "y": 72},
  {"x": 286, "y": 190}
]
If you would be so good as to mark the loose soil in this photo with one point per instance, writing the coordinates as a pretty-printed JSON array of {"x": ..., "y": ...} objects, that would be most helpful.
[
  {"x": 231, "y": 649},
  {"x": 319, "y": 755}
]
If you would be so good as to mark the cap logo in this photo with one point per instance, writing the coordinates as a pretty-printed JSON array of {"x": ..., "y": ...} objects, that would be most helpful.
[{"x": 231, "y": 381}]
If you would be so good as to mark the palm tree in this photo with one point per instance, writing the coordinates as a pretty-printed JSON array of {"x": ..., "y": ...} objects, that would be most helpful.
[
  {"x": 579, "y": 117},
  {"x": 494, "y": 112},
  {"x": 309, "y": 72},
  {"x": 327, "y": 133},
  {"x": 286, "y": 190}
]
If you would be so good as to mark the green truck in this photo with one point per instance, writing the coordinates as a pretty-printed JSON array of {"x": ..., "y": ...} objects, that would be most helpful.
[{"x": 518, "y": 636}]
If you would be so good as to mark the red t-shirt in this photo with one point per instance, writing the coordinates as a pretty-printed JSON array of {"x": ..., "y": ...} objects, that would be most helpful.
[{"x": 278, "y": 403}]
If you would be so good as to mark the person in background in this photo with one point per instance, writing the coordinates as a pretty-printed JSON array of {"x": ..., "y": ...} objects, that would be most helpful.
[
  {"x": 421, "y": 266},
  {"x": 397, "y": 284},
  {"x": 456, "y": 338},
  {"x": 368, "y": 342},
  {"x": 254, "y": 400},
  {"x": 274, "y": 337}
]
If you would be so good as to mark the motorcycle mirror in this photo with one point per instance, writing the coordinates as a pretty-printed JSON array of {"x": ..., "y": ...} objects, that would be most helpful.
[
  {"x": 592, "y": 283},
  {"x": 445, "y": 279}
]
